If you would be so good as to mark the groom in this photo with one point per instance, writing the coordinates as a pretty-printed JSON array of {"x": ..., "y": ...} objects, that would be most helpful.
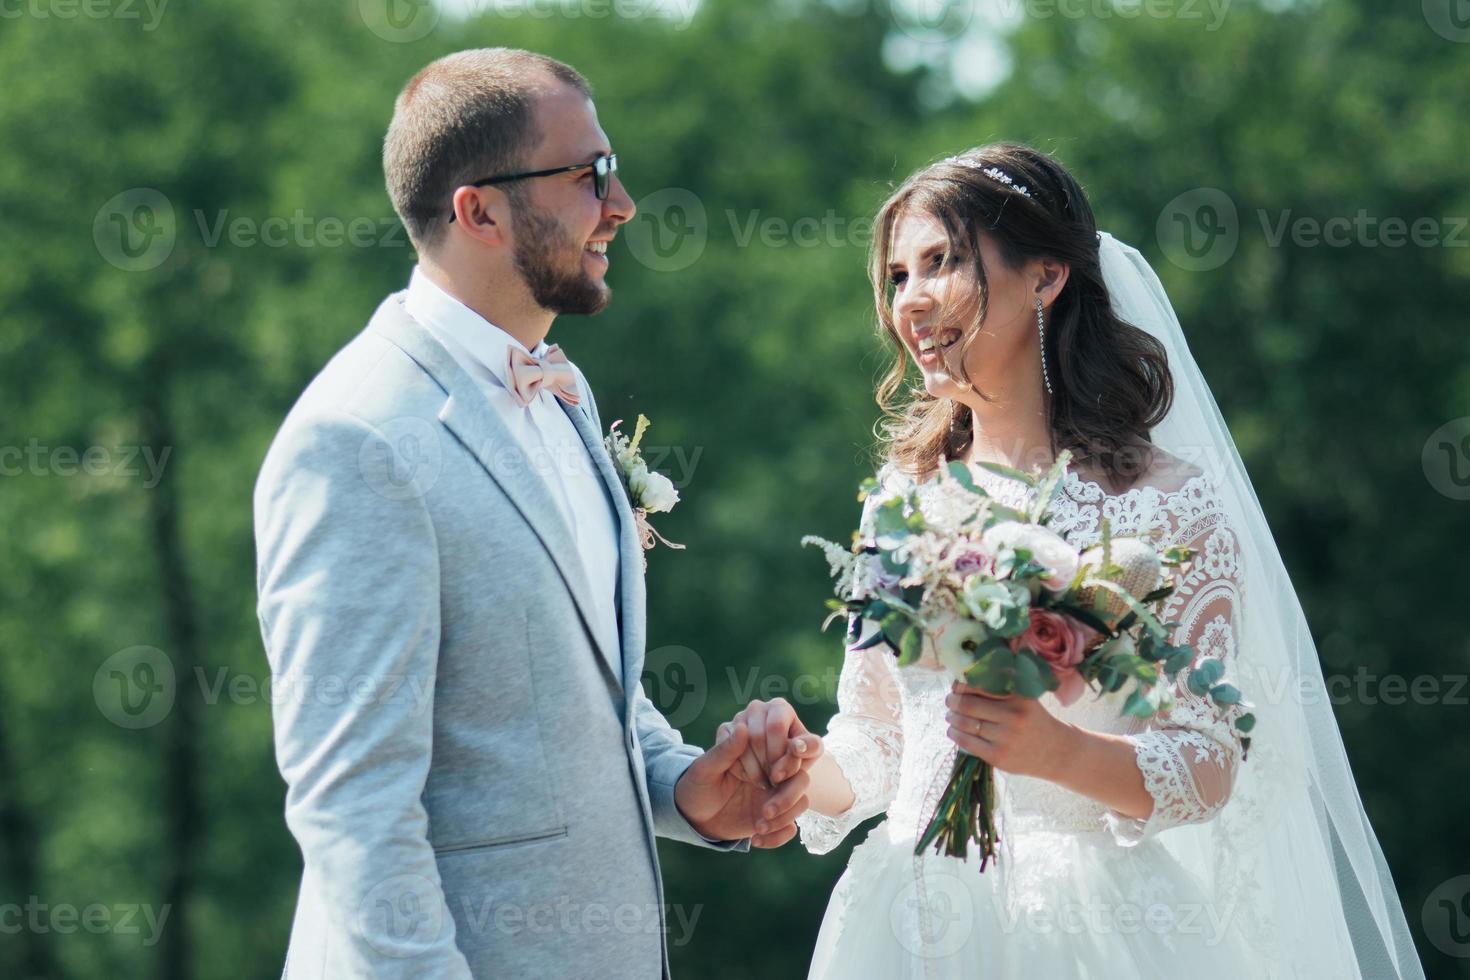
[{"x": 451, "y": 591}]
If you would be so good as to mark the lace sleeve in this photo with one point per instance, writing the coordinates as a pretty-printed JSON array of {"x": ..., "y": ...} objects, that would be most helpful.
[
  {"x": 1188, "y": 756},
  {"x": 865, "y": 737}
]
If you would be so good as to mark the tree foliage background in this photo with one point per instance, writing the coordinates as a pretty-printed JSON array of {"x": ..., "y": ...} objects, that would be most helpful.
[{"x": 173, "y": 276}]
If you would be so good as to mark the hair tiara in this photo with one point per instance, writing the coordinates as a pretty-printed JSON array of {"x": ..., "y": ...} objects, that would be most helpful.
[{"x": 993, "y": 172}]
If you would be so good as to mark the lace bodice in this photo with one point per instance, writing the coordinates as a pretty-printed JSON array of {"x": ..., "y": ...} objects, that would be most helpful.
[{"x": 889, "y": 735}]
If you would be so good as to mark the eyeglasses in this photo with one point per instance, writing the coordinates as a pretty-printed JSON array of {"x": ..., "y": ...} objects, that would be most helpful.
[{"x": 602, "y": 169}]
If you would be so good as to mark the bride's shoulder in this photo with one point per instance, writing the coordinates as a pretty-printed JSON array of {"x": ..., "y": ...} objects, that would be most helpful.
[
  {"x": 1164, "y": 476},
  {"x": 1169, "y": 474}
]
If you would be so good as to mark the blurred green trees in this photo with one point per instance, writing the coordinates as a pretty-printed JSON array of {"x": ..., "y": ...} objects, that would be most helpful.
[{"x": 194, "y": 220}]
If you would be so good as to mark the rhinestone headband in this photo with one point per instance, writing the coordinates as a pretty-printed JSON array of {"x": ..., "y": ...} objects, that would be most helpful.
[{"x": 994, "y": 173}]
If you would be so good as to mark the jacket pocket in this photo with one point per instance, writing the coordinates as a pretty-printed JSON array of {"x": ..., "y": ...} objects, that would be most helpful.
[{"x": 553, "y": 833}]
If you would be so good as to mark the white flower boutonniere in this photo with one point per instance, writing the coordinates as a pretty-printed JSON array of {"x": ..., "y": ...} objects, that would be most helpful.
[{"x": 648, "y": 491}]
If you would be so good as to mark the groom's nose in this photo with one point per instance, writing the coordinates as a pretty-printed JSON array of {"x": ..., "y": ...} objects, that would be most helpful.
[{"x": 618, "y": 207}]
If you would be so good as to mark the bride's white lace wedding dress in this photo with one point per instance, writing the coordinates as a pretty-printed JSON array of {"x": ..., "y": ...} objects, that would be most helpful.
[{"x": 1079, "y": 891}]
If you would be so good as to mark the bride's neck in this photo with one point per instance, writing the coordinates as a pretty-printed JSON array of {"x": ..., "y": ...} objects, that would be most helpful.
[
  {"x": 1010, "y": 433},
  {"x": 1021, "y": 439}
]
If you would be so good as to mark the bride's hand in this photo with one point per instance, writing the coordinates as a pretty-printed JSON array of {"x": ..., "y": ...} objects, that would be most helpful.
[
  {"x": 1013, "y": 734},
  {"x": 779, "y": 745}
]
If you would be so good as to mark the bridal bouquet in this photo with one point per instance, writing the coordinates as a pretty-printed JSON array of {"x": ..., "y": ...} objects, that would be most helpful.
[
  {"x": 1007, "y": 606},
  {"x": 649, "y": 492}
]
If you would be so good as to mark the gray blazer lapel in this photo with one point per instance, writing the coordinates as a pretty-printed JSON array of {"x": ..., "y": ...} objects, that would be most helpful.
[
  {"x": 630, "y": 550},
  {"x": 474, "y": 423}
]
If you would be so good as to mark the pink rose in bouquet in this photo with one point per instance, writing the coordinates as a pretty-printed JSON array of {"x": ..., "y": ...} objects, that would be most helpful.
[{"x": 1062, "y": 642}]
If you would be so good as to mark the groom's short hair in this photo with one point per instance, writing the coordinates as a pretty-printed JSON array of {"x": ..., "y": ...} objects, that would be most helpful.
[{"x": 467, "y": 116}]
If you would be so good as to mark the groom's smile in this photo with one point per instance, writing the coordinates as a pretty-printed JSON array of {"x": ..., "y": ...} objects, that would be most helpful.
[{"x": 596, "y": 250}]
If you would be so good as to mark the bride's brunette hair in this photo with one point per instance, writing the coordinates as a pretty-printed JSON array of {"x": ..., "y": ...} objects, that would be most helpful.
[{"x": 1111, "y": 382}]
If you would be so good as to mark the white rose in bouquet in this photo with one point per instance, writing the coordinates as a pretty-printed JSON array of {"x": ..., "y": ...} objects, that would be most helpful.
[{"x": 1047, "y": 548}]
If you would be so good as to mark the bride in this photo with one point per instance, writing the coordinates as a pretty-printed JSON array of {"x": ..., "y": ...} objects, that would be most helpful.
[{"x": 1128, "y": 847}]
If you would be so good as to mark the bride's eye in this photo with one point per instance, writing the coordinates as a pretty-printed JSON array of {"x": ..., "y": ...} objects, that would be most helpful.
[{"x": 896, "y": 279}]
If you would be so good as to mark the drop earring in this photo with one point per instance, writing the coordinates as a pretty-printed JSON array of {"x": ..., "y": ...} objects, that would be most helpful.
[{"x": 1041, "y": 329}]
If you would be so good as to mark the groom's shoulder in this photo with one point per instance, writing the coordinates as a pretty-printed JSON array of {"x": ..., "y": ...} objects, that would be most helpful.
[
  {"x": 369, "y": 385},
  {"x": 370, "y": 377}
]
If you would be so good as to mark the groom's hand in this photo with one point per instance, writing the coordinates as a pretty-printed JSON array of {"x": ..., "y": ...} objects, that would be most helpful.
[{"x": 721, "y": 805}]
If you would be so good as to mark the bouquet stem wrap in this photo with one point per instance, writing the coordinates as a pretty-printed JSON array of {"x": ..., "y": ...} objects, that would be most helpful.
[{"x": 965, "y": 813}]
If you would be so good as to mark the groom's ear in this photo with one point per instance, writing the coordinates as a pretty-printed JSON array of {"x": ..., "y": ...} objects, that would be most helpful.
[{"x": 483, "y": 213}]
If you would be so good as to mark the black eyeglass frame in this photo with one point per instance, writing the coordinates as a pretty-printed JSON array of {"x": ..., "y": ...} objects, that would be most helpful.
[{"x": 602, "y": 168}]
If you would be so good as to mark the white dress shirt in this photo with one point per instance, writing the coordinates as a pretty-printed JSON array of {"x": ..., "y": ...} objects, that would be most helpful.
[{"x": 552, "y": 447}]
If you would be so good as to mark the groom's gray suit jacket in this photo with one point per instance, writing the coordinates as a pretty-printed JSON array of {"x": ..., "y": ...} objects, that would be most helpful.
[{"x": 474, "y": 781}]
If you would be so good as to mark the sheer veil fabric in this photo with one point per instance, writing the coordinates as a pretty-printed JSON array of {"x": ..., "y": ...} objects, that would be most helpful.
[{"x": 1291, "y": 857}]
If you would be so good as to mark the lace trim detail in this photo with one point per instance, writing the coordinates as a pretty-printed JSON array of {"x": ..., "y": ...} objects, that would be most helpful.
[
  {"x": 1079, "y": 509},
  {"x": 865, "y": 740},
  {"x": 1169, "y": 777},
  {"x": 1189, "y": 758},
  {"x": 869, "y": 764}
]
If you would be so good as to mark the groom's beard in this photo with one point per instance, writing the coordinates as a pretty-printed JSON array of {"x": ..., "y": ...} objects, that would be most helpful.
[{"x": 542, "y": 251}]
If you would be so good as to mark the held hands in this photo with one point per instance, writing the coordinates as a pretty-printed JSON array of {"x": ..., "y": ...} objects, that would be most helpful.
[
  {"x": 1013, "y": 734},
  {"x": 779, "y": 746},
  {"x": 730, "y": 793}
]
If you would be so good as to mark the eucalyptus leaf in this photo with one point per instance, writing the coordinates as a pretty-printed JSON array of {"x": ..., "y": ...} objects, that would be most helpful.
[
  {"x": 1034, "y": 676},
  {"x": 1009, "y": 472},
  {"x": 961, "y": 474},
  {"x": 894, "y": 625},
  {"x": 910, "y": 646},
  {"x": 994, "y": 670},
  {"x": 1178, "y": 660},
  {"x": 1205, "y": 674},
  {"x": 1137, "y": 705},
  {"x": 1225, "y": 694}
]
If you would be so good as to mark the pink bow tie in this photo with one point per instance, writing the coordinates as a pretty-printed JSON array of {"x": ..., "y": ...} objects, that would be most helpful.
[{"x": 529, "y": 375}]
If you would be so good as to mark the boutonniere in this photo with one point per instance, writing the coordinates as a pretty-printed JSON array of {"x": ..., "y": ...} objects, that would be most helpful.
[{"x": 648, "y": 492}]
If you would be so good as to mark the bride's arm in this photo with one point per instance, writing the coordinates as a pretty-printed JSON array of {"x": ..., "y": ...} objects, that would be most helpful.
[
  {"x": 854, "y": 774},
  {"x": 829, "y": 794},
  {"x": 1187, "y": 757},
  {"x": 1180, "y": 767},
  {"x": 1103, "y": 767}
]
